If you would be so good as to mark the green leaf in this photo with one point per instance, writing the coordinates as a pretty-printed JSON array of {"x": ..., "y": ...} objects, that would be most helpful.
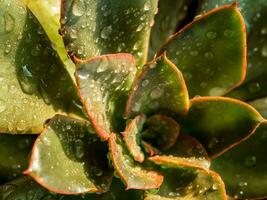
[
  {"x": 34, "y": 84},
  {"x": 171, "y": 14},
  {"x": 67, "y": 159},
  {"x": 48, "y": 14},
  {"x": 134, "y": 175},
  {"x": 92, "y": 28},
  {"x": 132, "y": 135},
  {"x": 244, "y": 167},
  {"x": 24, "y": 188},
  {"x": 186, "y": 153},
  {"x": 260, "y": 105},
  {"x": 180, "y": 184},
  {"x": 211, "y": 52},
  {"x": 14, "y": 155},
  {"x": 159, "y": 88},
  {"x": 162, "y": 131},
  {"x": 220, "y": 123},
  {"x": 104, "y": 83}
]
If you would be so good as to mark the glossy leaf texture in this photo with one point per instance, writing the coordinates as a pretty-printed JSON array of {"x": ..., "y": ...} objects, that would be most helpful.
[
  {"x": 220, "y": 123},
  {"x": 159, "y": 88},
  {"x": 243, "y": 168},
  {"x": 48, "y": 14},
  {"x": 68, "y": 159},
  {"x": 104, "y": 83},
  {"x": 14, "y": 152},
  {"x": 92, "y": 28},
  {"x": 134, "y": 175},
  {"x": 211, "y": 52},
  {"x": 34, "y": 84},
  {"x": 27, "y": 189},
  {"x": 161, "y": 131},
  {"x": 255, "y": 13},
  {"x": 170, "y": 15},
  {"x": 186, "y": 153},
  {"x": 132, "y": 137},
  {"x": 185, "y": 184}
]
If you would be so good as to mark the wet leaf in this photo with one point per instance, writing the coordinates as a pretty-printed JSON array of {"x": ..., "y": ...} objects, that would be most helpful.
[
  {"x": 67, "y": 159},
  {"x": 162, "y": 131},
  {"x": 220, "y": 123},
  {"x": 211, "y": 52},
  {"x": 134, "y": 175},
  {"x": 132, "y": 137},
  {"x": 92, "y": 28},
  {"x": 34, "y": 85},
  {"x": 171, "y": 13},
  {"x": 260, "y": 105},
  {"x": 186, "y": 153},
  {"x": 180, "y": 184},
  {"x": 104, "y": 83},
  {"x": 159, "y": 88},
  {"x": 243, "y": 168},
  {"x": 14, "y": 151}
]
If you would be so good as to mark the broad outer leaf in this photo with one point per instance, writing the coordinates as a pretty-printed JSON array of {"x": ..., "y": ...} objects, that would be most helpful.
[
  {"x": 170, "y": 15},
  {"x": 134, "y": 175},
  {"x": 180, "y": 184},
  {"x": 220, "y": 123},
  {"x": 159, "y": 87},
  {"x": 104, "y": 83},
  {"x": 244, "y": 167},
  {"x": 24, "y": 188},
  {"x": 67, "y": 159},
  {"x": 132, "y": 137},
  {"x": 211, "y": 52},
  {"x": 162, "y": 130},
  {"x": 186, "y": 153},
  {"x": 92, "y": 28},
  {"x": 14, "y": 151},
  {"x": 33, "y": 82}
]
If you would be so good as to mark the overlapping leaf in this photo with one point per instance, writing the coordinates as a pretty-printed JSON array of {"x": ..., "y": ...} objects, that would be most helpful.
[
  {"x": 67, "y": 159},
  {"x": 211, "y": 52},
  {"x": 104, "y": 83}
]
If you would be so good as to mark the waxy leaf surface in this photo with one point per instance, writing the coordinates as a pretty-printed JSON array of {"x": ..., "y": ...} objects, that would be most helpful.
[{"x": 67, "y": 159}]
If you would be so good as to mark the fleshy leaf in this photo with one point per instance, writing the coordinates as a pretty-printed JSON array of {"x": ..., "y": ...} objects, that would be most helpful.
[
  {"x": 180, "y": 184},
  {"x": 104, "y": 83},
  {"x": 24, "y": 188},
  {"x": 67, "y": 159},
  {"x": 34, "y": 85},
  {"x": 149, "y": 149},
  {"x": 211, "y": 52},
  {"x": 260, "y": 105},
  {"x": 14, "y": 151},
  {"x": 162, "y": 130},
  {"x": 171, "y": 14},
  {"x": 132, "y": 137},
  {"x": 244, "y": 167},
  {"x": 220, "y": 123},
  {"x": 92, "y": 28},
  {"x": 159, "y": 88},
  {"x": 134, "y": 175},
  {"x": 186, "y": 153}
]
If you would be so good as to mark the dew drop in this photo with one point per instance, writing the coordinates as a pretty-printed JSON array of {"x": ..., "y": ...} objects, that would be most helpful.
[
  {"x": 264, "y": 51},
  {"x": 211, "y": 35},
  {"x": 228, "y": 33},
  {"x": 145, "y": 83},
  {"x": 216, "y": 91},
  {"x": 209, "y": 55},
  {"x": 194, "y": 53},
  {"x": 156, "y": 93},
  {"x": 264, "y": 31},
  {"x": 73, "y": 34},
  {"x": 79, "y": 149},
  {"x": 21, "y": 126},
  {"x": 7, "y": 47},
  {"x": 78, "y": 8},
  {"x": 9, "y": 22},
  {"x": 106, "y": 31},
  {"x": 146, "y": 6}
]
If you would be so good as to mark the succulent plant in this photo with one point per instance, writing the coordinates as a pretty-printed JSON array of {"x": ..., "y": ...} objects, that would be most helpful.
[{"x": 124, "y": 110}]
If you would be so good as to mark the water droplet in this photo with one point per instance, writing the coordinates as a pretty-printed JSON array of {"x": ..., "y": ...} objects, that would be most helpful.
[
  {"x": 250, "y": 161},
  {"x": 216, "y": 91},
  {"x": 79, "y": 148},
  {"x": 211, "y": 35},
  {"x": 106, "y": 31},
  {"x": 26, "y": 80},
  {"x": 264, "y": 51},
  {"x": 209, "y": 55},
  {"x": 78, "y": 8},
  {"x": 194, "y": 53},
  {"x": 156, "y": 93},
  {"x": 264, "y": 31},
  {"x": 203, "y": 84},
  {"x": 9, "y": 22},
  {"x": 140, "y": 27},
  {"x": 146, "y": 6},
  {"x": 73, "y": 34},
  {"x": 36, "y": 50},
  {"x": 21, "y": 126},
  {"x": 145, "y": 83},
  {"x": 228, "y": 33},
  {"x": 254, "y": 87},
  {"x": 8, "y": 47}
]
